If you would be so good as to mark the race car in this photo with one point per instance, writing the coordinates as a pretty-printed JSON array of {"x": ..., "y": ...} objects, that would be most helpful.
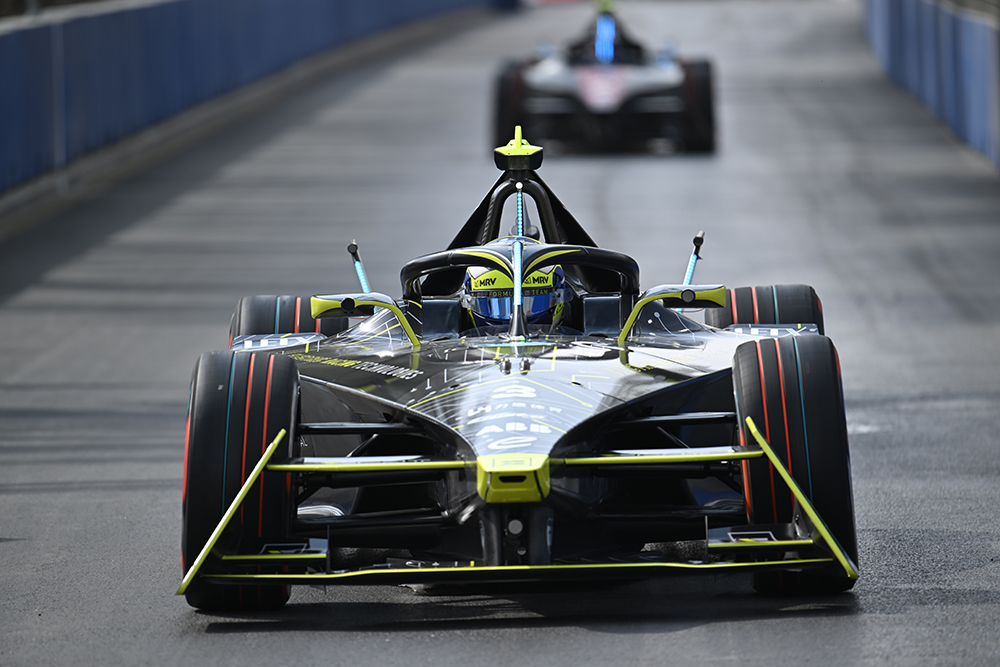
[
  {"x": 605, "y": 91},
  {"x": 525, "y": 411}
]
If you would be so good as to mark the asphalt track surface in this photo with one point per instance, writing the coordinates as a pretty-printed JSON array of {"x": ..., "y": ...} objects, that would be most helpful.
[{"x": 827, "y": 174}]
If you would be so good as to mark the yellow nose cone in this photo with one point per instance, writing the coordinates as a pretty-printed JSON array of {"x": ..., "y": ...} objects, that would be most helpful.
[{"x": 513, "y": 478}]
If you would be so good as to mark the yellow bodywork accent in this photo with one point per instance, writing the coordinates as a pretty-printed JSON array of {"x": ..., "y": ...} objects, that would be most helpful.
[
  {"x": 755, "y": 544},
  {"x": 318, "y": 306},
  {"x": 849, "y": 567},
  {"x": 717, "y": 296},
  {"x": 367, "y": 467},
  {"x": 278, "y": 557},
  {"x": 518, "y": 145},
  {"x": 697, "y": 455},
  {"x": 415, "y": 575},
  {"x": 513, "y": 478},
  {"x": 228, "y": 516}
]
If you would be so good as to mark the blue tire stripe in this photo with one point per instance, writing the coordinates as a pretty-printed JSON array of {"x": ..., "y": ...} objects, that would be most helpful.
[{"x": 805, "y": 424}]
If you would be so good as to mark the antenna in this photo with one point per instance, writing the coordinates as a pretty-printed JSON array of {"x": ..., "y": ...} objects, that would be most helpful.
[
  {"x": 698, "y": 240},
  {"x": 358, "y": 266}
]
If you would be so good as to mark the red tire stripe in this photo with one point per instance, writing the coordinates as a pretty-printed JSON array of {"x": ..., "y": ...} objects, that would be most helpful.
[
  {"x": 298, "y": 309},
  {"x": 246, "y": 425},
  {"x": 732, "y": 304},
  {"x": 263, "y": 445},
  {"x": 756, "y": 315},
  {"x": 767, "y": 430},
  {"x": 746, "y": 473},
  {"x": 746, "y": 485},
  {"x": 187, "y": 444},
  {"x": 784, "y": 414}
]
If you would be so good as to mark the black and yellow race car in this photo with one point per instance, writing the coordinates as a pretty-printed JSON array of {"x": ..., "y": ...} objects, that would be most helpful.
[
  {"x": 526, "y": 411},
  {"x": 605, "y": 91}
]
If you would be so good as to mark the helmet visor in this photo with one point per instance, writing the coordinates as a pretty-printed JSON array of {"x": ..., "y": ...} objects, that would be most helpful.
[{"x": 499, "y": 304}]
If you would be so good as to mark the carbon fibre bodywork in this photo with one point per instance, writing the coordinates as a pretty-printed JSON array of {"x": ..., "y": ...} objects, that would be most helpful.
[{"x": 423, "y": 449}]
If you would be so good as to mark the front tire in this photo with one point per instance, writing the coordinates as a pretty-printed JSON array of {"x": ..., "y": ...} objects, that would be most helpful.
[
  {"x": 791, "y": 387},
  {"x": 237, "y": 405}
]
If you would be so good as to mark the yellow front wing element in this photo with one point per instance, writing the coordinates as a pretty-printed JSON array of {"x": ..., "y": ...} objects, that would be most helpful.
[
  {"x": 359, "y": 464},
  {"x": 845, "y": 561},
  {"x": 227, "y": 517},
  {"x": 513, "y": 478}
]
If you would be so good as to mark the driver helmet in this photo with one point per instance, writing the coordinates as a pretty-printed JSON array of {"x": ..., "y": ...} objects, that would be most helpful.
[{"x": 488, "y": 295}]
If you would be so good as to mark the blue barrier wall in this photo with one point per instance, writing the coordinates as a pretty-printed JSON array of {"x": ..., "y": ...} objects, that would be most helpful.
[
  {"x": 948, "y": 57},
  {"x": 70, "y": 86}
]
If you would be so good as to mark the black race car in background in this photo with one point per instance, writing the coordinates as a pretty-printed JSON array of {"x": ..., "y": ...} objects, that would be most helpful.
[
  {"x": 605, "y": 91},
  {"x": 524, "y": 412}
]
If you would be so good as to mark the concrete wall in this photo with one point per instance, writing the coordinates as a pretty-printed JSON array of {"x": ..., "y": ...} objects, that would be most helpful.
[
  {"x": 947, "y": 55},
  {"x": 72, "y": 81}
]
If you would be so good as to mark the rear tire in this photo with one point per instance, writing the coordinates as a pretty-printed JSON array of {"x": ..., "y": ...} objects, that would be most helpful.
[
  {"x": 268, "y": 314},
  {"x": 237, "y": 405},
  {"x": 770, "y": 304},
  {"x": 791, "y": 387},
  {"x": 699, "y": 123}
]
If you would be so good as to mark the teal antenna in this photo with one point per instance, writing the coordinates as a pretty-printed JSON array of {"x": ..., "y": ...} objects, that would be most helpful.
[
  {"x": 698, "y": 240},
  {"x": 358, "y": 266}
]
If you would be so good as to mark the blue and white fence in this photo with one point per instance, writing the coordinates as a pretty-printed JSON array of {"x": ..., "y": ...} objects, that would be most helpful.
[
  {"x": 73, "y": 82},
  {"x": 948, "y": 56}
]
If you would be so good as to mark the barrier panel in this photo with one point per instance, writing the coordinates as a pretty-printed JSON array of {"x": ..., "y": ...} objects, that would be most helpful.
[
  {"x": 946, "y": 55},
  {"x": 74, "y": 81}
]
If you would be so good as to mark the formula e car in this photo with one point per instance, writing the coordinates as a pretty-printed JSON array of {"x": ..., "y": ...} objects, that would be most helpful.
[
  {"x": 605, "y": 91},
  {"x": 524, "y": 412}
]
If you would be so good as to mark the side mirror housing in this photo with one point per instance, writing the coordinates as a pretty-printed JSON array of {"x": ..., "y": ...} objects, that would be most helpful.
[
  {"x": 676, "y": 296},
  {"x": 360, "y": 305},
  {"x": 686, "y": 296}
]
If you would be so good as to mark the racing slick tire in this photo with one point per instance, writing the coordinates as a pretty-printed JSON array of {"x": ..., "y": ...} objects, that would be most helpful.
[
  {"x": 770, "y": 304},
  {"x": 268, "y": 314},
  {"x": 238, "y": 403},
  {"x": 507, "y": 110},
  {"x": 699, "y": 120},
  {"x": 791, "y": 387}
]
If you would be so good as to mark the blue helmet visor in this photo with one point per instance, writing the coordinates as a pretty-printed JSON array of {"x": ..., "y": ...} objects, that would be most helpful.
[{"x": 499, "y": 304}]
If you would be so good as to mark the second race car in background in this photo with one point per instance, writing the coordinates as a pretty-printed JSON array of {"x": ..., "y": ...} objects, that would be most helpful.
[{"x": 605, "y": 91}]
